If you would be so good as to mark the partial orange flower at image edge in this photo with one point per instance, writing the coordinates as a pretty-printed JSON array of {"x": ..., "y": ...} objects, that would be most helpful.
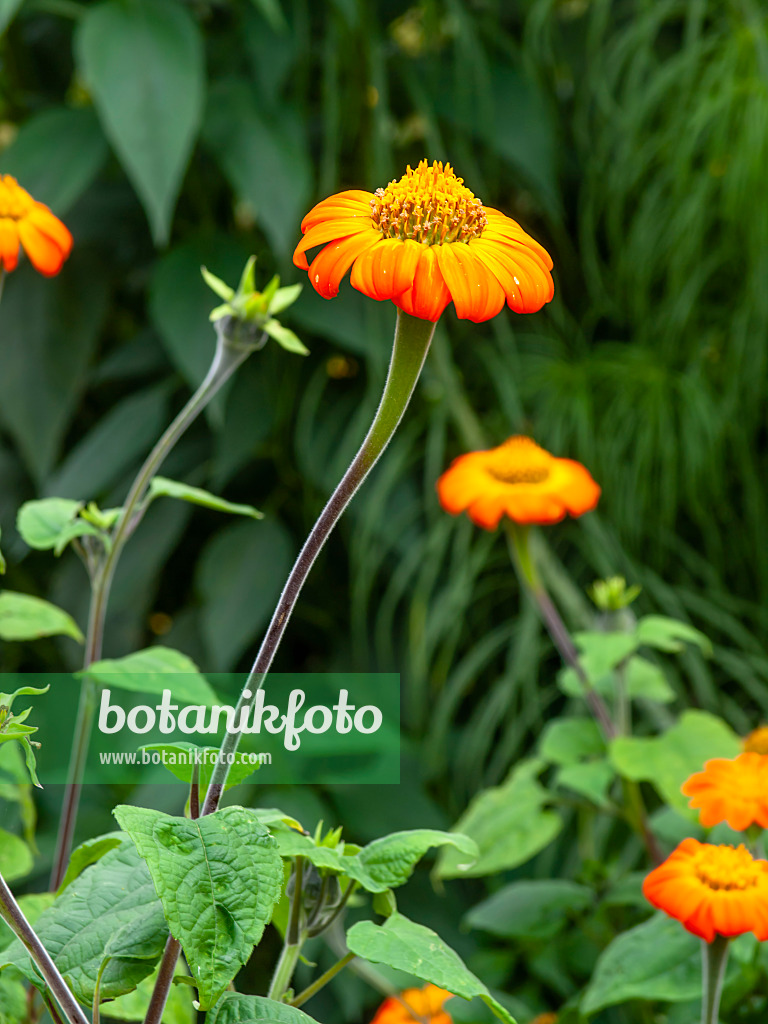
[
  {"x": 425, "y": 241},
  {"x": 734, "y": 790},
  {"x": 415, "y": 1006},
  {"x": 27, "y": 223}
]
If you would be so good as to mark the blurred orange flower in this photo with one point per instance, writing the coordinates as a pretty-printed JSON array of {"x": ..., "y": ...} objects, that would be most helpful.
[
  {"x": 424, "y": 241},
  {"x": 734, "y": 790},
  {"x": 419, "y": 1005},
  {"x": 25, "y": 222},
  {"x": 712, "y": 890},
  {"x": 518, "y": 479}
]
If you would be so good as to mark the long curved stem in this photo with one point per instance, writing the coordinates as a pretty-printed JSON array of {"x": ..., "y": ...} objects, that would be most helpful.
[
  {"x": 410, "y": 347},
  {"x": 714, "y": 960},
  {"x": 12, "y": 914},
  {"x": 227, "y": 358}
]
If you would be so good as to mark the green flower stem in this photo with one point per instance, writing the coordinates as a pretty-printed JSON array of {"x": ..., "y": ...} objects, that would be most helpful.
[
  {"x": 12, "y": 914},
  {"x": 286, "y": 965},
  {"x": 322, "y": 981},
  {"x": 526, "y": 570},
  {"x": 231, "y": 351},
  {"x": 410, "y": 347},
  {"x": 2, "y": 281},
  {"x": 529, "y": 577},
  {"x": 411, "y": 344},
  {"x": 714, "y": 957}
]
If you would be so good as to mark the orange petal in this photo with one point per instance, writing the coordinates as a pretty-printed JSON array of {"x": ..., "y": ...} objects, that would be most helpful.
[
  {"x": 332, "y": 263},
  {"x": 429, "y": 295},
  {"x": 44, "y": 254},
  {"x": 526, "y": 284},
  {"x": 354, "y": 203},
  {"x": 9, "y": 244},
  {"x": 328, "y": 231},
  {"x": 476, "y": 294},
  {"x": 51, "y": 226}
]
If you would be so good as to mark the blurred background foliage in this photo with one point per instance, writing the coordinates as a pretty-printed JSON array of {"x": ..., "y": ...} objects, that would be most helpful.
[{"x": 629, "y": 136}]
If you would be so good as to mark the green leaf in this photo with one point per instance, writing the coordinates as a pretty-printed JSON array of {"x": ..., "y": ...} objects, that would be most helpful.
[
  {"x": 179, "y": 763},
  {"x": 670, "y": 634},
  {"x": 530, "y": 909},
  {"x": 600, "y": 652},
  {"x": 285, "y": 297},
  {"x": 591, "y": 779},
  {"x": 218, "y": 878},
  {"x": 2, "y": 560},
  {"x": 162, "y": 487},
  {"x": 234, "y": 1008},
  {"x": 134, "y": 1005},
  {"x": 285, "y": 338},
  {"x": 13, "y": 995},
  {"x": 24, "y": 617},
  {"x": 89, "y": 852},
  {"x": 647, "y": 681},
  {"x": 152, "y": 671},
  {"x": 509, "y": 823},
  {"x": 390, "y": 861},
  {"x": 658, "y": 959},
  {"x": 568, "y": 740},
  {"x": 150, "y": 106},
  {"x": 15, "y": 856},
  {"x": 41, "y": 523},
  {"x": 411, "y": 947},
  {"x": 668, "y": 760},
  {"x": 75, "y": 136},
  {"x": 266, "y": 163},
  {"x": 114, "y": 894}
]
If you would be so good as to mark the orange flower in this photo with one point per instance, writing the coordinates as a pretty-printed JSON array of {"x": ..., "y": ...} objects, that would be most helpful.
[
  {"x": 733, "y": 790},
  {"x": 518, "y": 479},
  {"x": 24, "y": 221},
  {"x": 417, "y": 1005},
  {"x": 423, "y": 241},
  {"x": 712, "y": 890}
]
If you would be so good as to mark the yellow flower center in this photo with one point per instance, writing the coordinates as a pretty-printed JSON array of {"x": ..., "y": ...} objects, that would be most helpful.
[
  {"x": 14, "y": 201},
  {"x": 520, "y": 461},
  {"x": 430, "y": 205},
  {"x": 727, "y": 867},
  {"x": 757, "y": 741}
]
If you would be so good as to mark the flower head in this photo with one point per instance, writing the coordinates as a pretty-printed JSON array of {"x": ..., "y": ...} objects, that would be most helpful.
[
  {"x": 518, "y": 479},
  {"x": 734, "y": 790},
  {"x": 424, "y": 241},
  {"x": 712, "y": 890},
  {"x": 757, "y": 740},
  {"x": 25, "y": 222},
  {"x": 415, "y": 1006}
]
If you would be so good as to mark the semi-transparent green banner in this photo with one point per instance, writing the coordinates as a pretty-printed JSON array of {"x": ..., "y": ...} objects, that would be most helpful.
[{"x": 154, "y": 727}]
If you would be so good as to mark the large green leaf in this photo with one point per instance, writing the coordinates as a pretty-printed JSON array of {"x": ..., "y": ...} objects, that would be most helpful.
[
  {"x": 143, "y": 61},
  {"x": 76, "y": 138},
  {"x": 15, "y": 856},
  {"x": 569, "y": 740},
  {"x": 530, "y": 909},
  {"x": 133, "y": 1006},
  {"x": 509, "y": 823},
  {"x": 239, "y": 577},
  {"x": 152, "y": 671},
  {"x": 658, "y": 959},
  {"x": 24, "y": 617},
  {"x": 668, "y": 760},
  {"x": 8, "y": 9},
  {"x": 267, "y": 163},
  {"x": 218, "y": 878},
  {"x": 114, "y": 897},
  {"x": 234, "y": 1008},
  {"x": 417, "y": 950},
  {"x": 89, "y": 852}
]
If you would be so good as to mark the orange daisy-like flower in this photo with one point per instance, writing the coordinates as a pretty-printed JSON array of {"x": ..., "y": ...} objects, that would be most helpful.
[
  {"x": 415, "y": 1006},
  {"x": 757, "y": 740},
  {"x": 520, "y": 480},
  {"x": 712, "y": 890},
  {"x": 424, "y": 241},
  {"x": 25, "y": 222},
  {"x": 734, "y": 790}
]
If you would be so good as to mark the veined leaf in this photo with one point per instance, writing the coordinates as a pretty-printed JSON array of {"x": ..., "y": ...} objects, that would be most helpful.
[
  {"x": 24, "y": 617},
  {"x": 89, "y": 852},
  {"x": 234, "y": 1008},
  {"x": 152, "y": 671},
  {"x": 218, "y": 878},
  {"x": 15, "y": 856}
]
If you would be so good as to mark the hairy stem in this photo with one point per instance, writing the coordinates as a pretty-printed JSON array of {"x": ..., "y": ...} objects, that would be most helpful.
[
  {"x": 228, "y": 357},
  {"x": 14, "y": 917},
  {"x": 714, "y": 959},
  {"x": 410, "y": 347}
]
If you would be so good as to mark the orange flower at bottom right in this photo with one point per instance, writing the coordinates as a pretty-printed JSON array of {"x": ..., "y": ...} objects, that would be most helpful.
[
  {"x": 415, "y": 1006},
  {"x": 712, "y": 890}
]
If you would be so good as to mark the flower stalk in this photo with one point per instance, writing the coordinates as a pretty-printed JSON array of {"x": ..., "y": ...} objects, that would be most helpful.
[
  {"x": 714, "y": 958},
  {"x": 234, "y": 344},
  {"x": 12, "y": 914}
]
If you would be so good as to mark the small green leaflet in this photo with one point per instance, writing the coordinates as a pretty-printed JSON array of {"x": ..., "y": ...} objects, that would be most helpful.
[{"x": 162, "y": 487}]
